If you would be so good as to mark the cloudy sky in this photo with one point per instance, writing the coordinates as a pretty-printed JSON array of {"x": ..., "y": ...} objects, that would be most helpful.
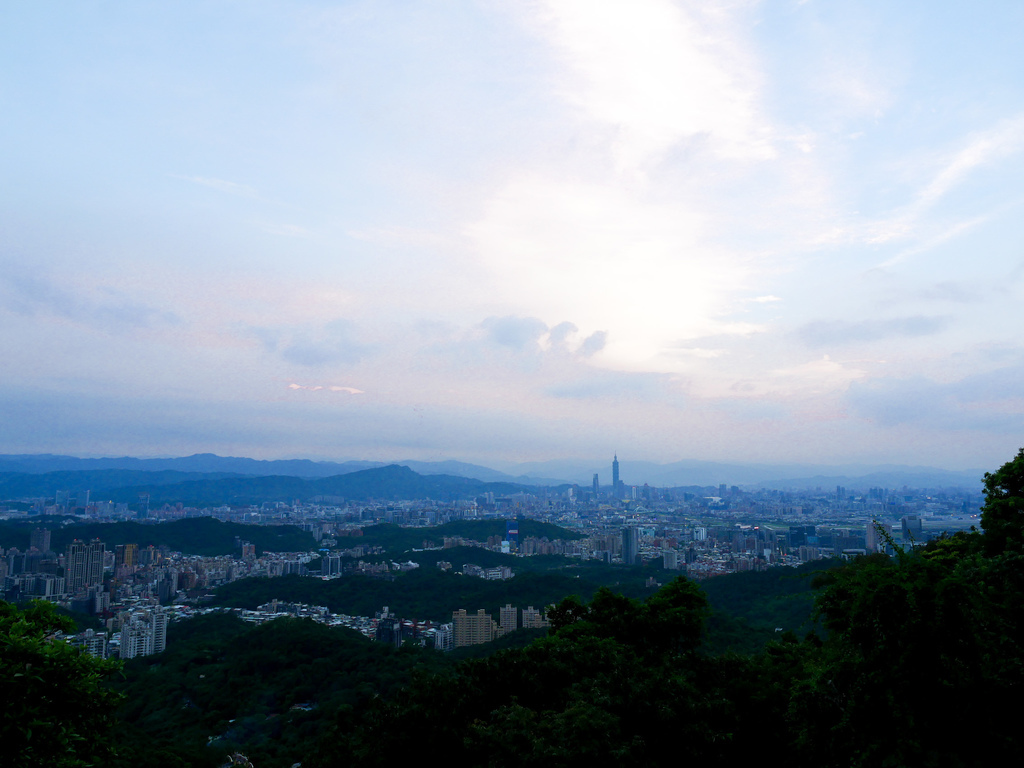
[{"x": 510, "y": 231}]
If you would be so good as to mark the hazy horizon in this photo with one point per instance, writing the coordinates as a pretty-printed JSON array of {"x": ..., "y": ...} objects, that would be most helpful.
[
  {"x": 764, "y": 232},
  {"x": 538, "y": 468}
]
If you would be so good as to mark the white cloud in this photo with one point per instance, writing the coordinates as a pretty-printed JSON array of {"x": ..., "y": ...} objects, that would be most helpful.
[
  {"x": 657, "y": 73},
  {"x": 1004, "y": 139},
  {"x": 817, "y": 376},
  {"x": 981, "y": 149},
  {"x": 331, "y": 388},
  {"x": 951, "y": 232},
  {"x": 635, "y": 267}
]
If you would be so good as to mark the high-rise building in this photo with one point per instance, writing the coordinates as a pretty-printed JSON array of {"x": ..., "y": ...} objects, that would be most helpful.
[
  {"x": 75, "y": 566},
  {"x": 874, "y": 541},
  {"x": 470, "y": 629},
  {"x": 508, "y": 618},
  {"x": 83, "y": 564},
  {"x": 126, "y": 554},
  {"x": 144, "y": 633},
  {"x": 913, "y": 528},
  {"x": 158, "y": 629},
  {"x": 443, "y": 639},
  {"x": 597, "y": 486},
  {"x": 94, "y": 643},
  {"x": 534, "y": 619},
  {"x": 630, "y": 546},
  {"x": 616, "y": 489},
  {"x": 94, "y": 572},
  {"x": 40, "y": 539},
  {"x": 45, "y": 586},
  {"x": 389, "y": 628}
]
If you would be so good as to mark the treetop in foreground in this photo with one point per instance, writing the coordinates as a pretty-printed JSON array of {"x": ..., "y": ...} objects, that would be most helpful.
[{"x": 57, "y": 710}]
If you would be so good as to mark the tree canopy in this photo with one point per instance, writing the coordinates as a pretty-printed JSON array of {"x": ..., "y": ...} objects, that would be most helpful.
[
  {"x": 1003, "y": 515},
  {"x": 57, "y": 712},
  {"x": 917, "y": 661}
]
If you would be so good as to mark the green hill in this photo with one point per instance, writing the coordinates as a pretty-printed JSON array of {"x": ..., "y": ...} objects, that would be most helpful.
[
  {"x": 205, "y": 536},
  {"x": 396, "y": 539},
  {"x": 224, "y": 686}
]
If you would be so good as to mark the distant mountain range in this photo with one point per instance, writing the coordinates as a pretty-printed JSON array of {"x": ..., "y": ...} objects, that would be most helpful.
[
  {"x": 388, "y": 483},
  {"x": 128, "y": 472},
  {"x": 207, "y": 463}
]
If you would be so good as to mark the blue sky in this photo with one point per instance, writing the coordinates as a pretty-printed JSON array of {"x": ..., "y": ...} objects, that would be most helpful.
[{"x": 748, "y": 231}]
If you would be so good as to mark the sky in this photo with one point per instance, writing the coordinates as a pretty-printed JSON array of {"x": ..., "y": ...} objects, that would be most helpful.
[{"x": 501, "y": 232}]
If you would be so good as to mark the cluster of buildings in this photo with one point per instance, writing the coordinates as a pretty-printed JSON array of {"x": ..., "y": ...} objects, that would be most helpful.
[
  {"x": 702, "y": 532},
  {"x": 480, "y": 627},
  {"x": 130, "y": 590},
  {"x": 497, "y": 573},
  {"x": 387, "y": 627}
]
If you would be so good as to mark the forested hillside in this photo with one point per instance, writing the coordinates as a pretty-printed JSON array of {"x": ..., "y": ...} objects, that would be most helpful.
[{"x": 918, "y": 662}]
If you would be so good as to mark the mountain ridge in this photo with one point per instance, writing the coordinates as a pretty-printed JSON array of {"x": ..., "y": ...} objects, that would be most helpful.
[{"x": 683, "y": 473}]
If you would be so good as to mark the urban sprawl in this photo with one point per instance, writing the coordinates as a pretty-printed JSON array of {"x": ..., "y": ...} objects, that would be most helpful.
[{"x": 702, "y": 532}]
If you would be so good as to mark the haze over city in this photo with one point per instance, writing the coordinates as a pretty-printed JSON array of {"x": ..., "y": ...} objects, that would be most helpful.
[{"x": 752, "y": 232}]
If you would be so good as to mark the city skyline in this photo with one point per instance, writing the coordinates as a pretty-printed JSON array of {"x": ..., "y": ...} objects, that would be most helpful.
[{"x": 765, "y": 232}]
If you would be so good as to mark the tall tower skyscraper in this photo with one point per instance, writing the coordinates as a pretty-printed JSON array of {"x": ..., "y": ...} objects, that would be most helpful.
[
  {"x": 94, "y": 572},
  {"x": 158, "y": 628},
  {"x": 83, "y": 564},
  {"x": 630, "y": 546},
  {"x": 615, "y": 475},
  {"x": 76, "y": 567}
]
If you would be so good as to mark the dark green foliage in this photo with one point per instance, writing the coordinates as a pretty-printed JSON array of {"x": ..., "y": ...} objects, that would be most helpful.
[
  {"x": 56, "y": 712},
  {"x": 778, "y": 597},
  {"x": 80, "y": 621},
  {"x": 919, "y": 663},
  {"x": 749, "y": 608},
  {"x": 729, "y": 634},
  {"x": 428, "y": 593},
  {"x": 193, "y": 536},
  {"x": 264, "y": 691},
  {"x": 396, "y": 539},
  {"x": 518, "y": 639},
  {"x": 1003, "y": 514},
  {"x": 928, "y": 642},
  {"x": 609, "y": 687},
  {"x": 668, "y": 623},
  {"x": 485, "y": 558}
]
